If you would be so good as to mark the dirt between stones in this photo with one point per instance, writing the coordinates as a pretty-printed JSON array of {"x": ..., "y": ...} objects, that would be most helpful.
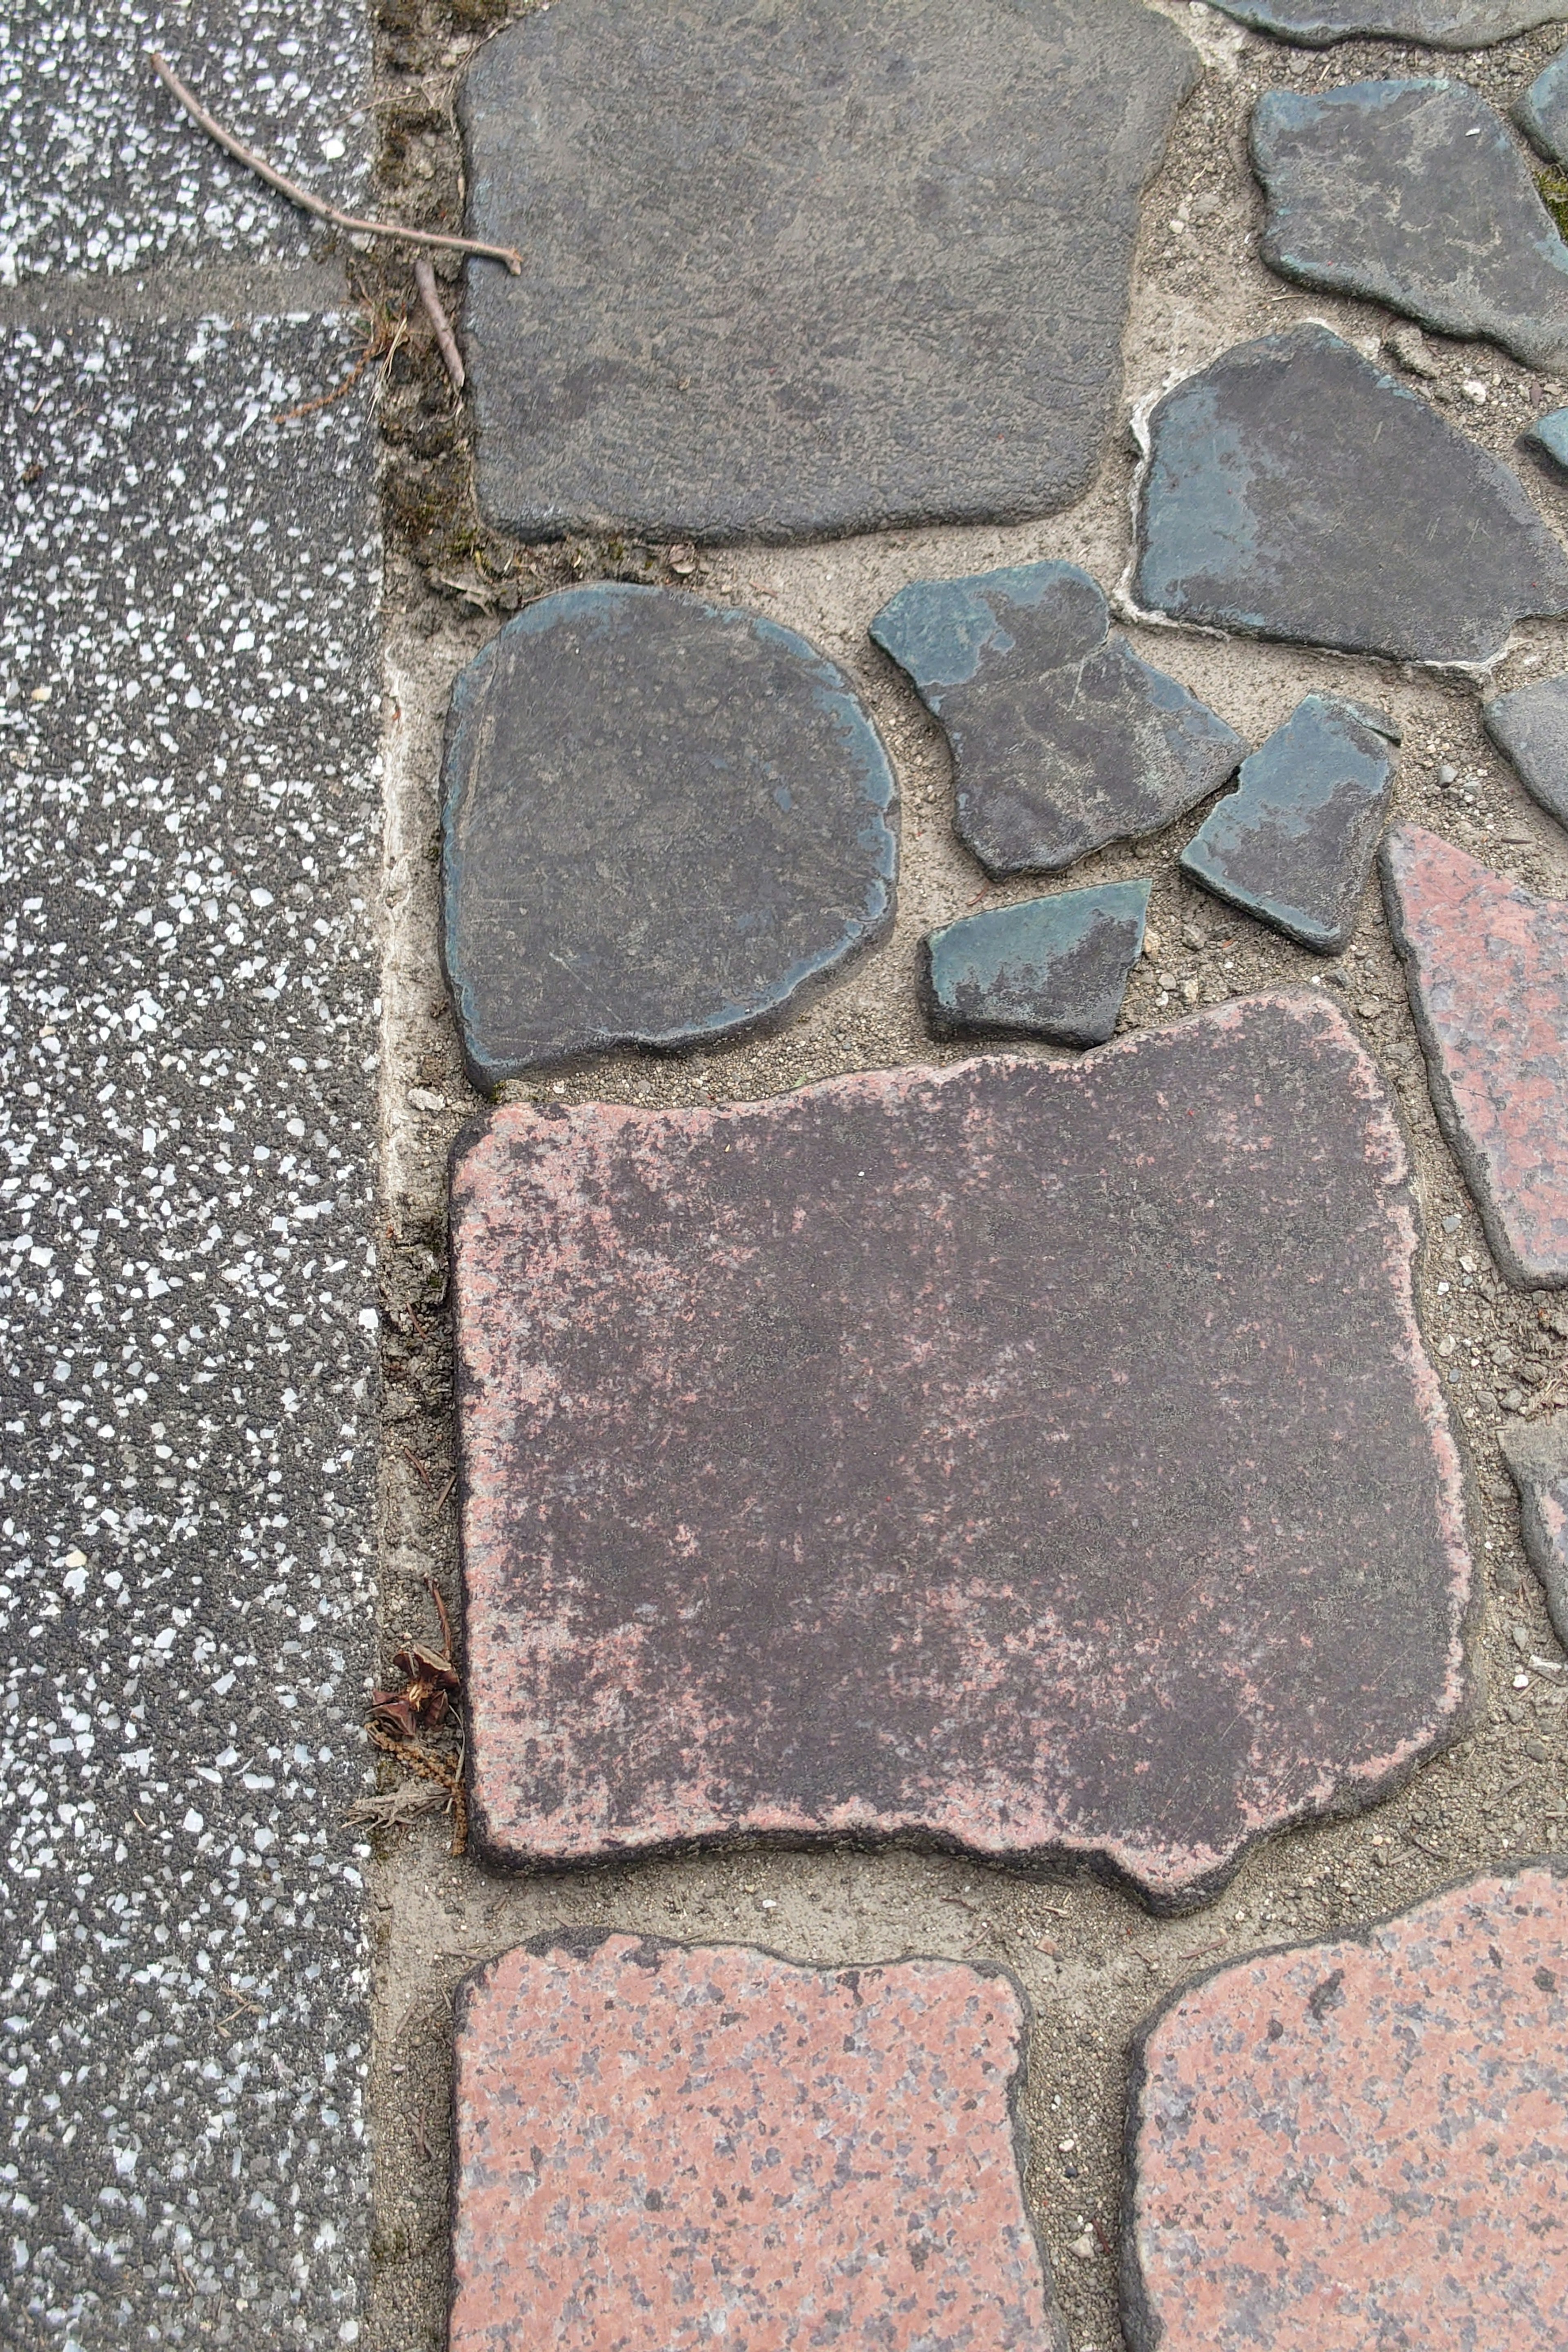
[{"x": 1093, "y": 1963}]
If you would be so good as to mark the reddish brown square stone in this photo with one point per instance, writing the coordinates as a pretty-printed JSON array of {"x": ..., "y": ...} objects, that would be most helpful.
[
  {"x": 663, "y": 2148},
  {"x": 1036, "y": 1459},
  {"x": 1362, "y": 2146}
]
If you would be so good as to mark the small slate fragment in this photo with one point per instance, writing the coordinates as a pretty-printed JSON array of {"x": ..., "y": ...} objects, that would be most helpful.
[
  {"x": 797, "y": 271},
  {"x": 1442, "y": 23},
  {"x": 1486, "y": 963},
  {"x": 1530, "y": 727},
  {"x": 1536, "y": 1452},
  {"x": 1294, "y": 490},
  {"x": 1551, "y": 433},
  {"x": 663, "y": 2148},
  {"x": 1412, "y": 194},
  {"x": 1294, "y": 844},
  {"x": 1035, "y": 1458},
  {"x": 1054, "y": 968},
  {"x": 1352, "y": 2146},
  {"x": 1062, "y": 738},
  {"x": 662, "y": 822},
  {"x": 1542, "y": 113}
]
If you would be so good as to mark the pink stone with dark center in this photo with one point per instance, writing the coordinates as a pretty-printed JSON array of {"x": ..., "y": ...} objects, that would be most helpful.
[
  {"x": 1037, "y": 1460},
  {"x": 665, "y": 2148},
  {"x": 1361, "y": 2147},
  {"x": 1487, "y": 968}
]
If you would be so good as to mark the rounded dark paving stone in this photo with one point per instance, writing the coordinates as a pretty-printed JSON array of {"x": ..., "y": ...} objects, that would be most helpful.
[
  {"x": 1062, "y": 738},
  {"x": 1445, "y": 24},
  {"x": 1530, "y": 727},
  {"x": 1542, "y": 113},
  {"x": 1036, "y": 1459},
  {"x": 1536, "y": 1452},
  {"x": 1486, "y": 964},
  {"x": 1352, "y": 2146},
  {"x": 789, "y": 272},
  {"x": 1054, "y": 968},
  {"x": 662, "y": 2146},
  {"x": 663, "y": 822},
  {"x": 1294, "y": 490},
  {"x": 1550, "y": 433}
]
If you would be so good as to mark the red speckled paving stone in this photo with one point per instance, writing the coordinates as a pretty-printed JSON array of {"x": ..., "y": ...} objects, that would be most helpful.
[
  {"x": 1361, "y": 2147},
  {"x": 1036, "y": 1459},
  {"x": 663, "y": 2148},
  {"x": 1486, "y": 964}
]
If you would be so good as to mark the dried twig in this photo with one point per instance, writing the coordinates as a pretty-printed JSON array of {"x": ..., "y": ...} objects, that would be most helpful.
[
  {"x": 295, "y": 194},
  {"x": 431, "y": 1767},
  {"x": 447, "y": 342}
]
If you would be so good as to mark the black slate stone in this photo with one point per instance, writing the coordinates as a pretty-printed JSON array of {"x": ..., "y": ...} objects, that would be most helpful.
[
  {"x": 1530, "y": 727},
  {"x": 1444, "y": 23},
  {"x": 1062, "y": 738},
  {"x": 804, "y": 270},
  {"x": 1413, "y": 193},
  {"x": 1054, "y": 968},
  {"x": 1294, "y": 844},
  {"x": 663, "y": 821},
  {"x": 1542, "y": 113},
  {"x": 1294, "y": 490},
  {"x": 1536, "y": 1452}
]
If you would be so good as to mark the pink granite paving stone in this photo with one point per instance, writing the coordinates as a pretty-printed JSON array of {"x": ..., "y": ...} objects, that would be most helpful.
[
  {"x": 1035, "y": 1460},
  {"x": 1486, "y": 964},
  {"x": 662, "y": 2146},
  {"x": 1361, "y": 2147}
]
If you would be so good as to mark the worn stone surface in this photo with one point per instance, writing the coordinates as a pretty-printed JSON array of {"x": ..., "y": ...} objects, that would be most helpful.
[
  {"x": 1054, "y": 968},
  {"x": 1536, "y": 1452},
  {"x": 1035, "y": 1458},
  {"x": 1062, "y": 738},
  {"x": 792, "y": 272},
  {"x": 1293, "y": 844},
  {"x": 1551, "y": 433},
  {"x": 1413, "y": 193},
  {"x": 1542, "y": 113},
  {"x": 663, "y": 821},
  {"x": 1362, "y": 2144},
  {"x": 1445, "y": 24},
  {"x": 1530, "y": 727},
  {"x": 1295, "y": 490},
  {"x": 662, "y": 2146},
  {"x": 1486, "y": 964}
]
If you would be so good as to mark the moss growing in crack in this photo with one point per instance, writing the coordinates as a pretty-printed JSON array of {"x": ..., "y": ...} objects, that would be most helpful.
[{"x": 1553, "y": 188}]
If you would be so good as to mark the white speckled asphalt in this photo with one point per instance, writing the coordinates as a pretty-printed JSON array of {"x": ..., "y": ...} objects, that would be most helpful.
[{"x": 188, "y": 1012}]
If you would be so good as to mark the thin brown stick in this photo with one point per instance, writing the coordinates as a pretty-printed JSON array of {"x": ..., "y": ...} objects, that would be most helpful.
[
  {"x": 295, "y": 194},
  {"x": 446, "y": 341}
]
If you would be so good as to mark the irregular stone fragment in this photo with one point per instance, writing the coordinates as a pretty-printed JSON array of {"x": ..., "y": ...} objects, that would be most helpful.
[
  {"x": 663, "y": 821},
  {"x": 1054, "y": 968},
  {"x": 1412, "y": 194},
  {"x": 1530, "y": 727},
  {"x": 1542, "y": 113},
  {"x": 1294, "y": 844},
  {"x": 1443, "y": 24},
  {"x": 822, "y": 269},
  {"x": 1035, "y": 1458},
  {"x": 1486, "y": 963},
  {"x": 661, "y": 2148},
  {"x": 1551, "y": 433},
  {"x": 1536, "y": 1452},
  {"x": 1294, "y": 490},
  {"x": 1062, "y": 738},
  {"x": 1347, "y": 2146}
]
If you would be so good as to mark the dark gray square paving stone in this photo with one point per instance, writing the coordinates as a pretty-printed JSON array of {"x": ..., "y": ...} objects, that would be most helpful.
[
  {"x": 1062, "y": 738},
  {"x": 1293, "y": 844},
  {"x": 1445, "y": 24},
  {"x": 1294, "y": 490},
  {"x": 1542, "y": 113},
  {"x": 664, "y": 821},
  {"x": 1530, "y": 727},
  {"x": 1054, "y": 968},
  {"x": 823, "y": 268},
  {"x": 1486, "y": 964},
  {"x": 1536, "y": 1452},
  {"x": 1413, "y": 193},
  {"x": 661, "y": 2146},
  {"x": 1035, "y": 1459},
  {"x": 1345, "y": 2146}
]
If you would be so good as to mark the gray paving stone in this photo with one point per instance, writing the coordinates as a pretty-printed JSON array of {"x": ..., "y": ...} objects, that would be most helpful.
[
  {"x": 1445, "y": 24},
  {"x": 664, "y": 820},
  {"x": 1054, "y": 968},
  {"x": 1536, "y": 1452},
  {"x": 827, "y": 268},
  {"x": 1530, "y": 727},
  {"x": 103, "y": 171},
  {"x": 1542, "y": 111},
  {"x": 1294, "y": 490},
  {"x": 1551, "y": 433},
  {"x": 187, "y": 1357},
  {"x": 1062, "y": 738},
  {"x": 1413, "y": 193},
  {"x": 1293, "y": 844}
]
